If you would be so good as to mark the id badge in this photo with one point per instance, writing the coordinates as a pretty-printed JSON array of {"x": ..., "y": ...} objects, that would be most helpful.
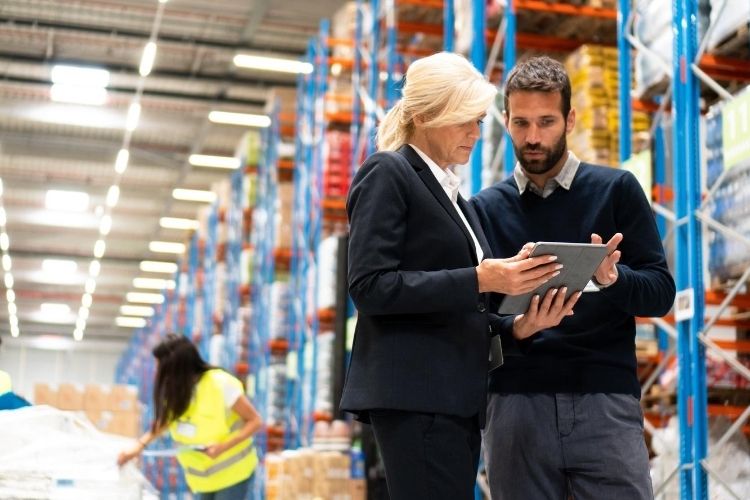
[{"x": 186, "y": 429}]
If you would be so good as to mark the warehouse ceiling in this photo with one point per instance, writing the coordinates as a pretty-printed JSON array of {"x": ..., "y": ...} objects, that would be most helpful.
[{"x": 46, "y": 145}]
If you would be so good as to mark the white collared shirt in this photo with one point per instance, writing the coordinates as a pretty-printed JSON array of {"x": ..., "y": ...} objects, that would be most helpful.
[
  {"x": 450, "y": 183},
  {"x": 563, "y": 179}
]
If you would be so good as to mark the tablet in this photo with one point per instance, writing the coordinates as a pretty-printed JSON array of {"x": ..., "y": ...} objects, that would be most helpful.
[{"x": 579, "y": 261}]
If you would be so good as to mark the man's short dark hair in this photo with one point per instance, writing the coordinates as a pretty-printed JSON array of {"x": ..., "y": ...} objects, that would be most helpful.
[{"x": 539, "y": 74}]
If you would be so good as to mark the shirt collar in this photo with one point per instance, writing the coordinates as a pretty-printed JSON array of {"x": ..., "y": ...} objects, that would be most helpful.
[
  {"x": 449, "y": 181},
  {"x": 563, "y": 179}
]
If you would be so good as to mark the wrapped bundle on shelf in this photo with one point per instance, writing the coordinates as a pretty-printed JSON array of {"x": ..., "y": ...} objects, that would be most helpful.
[
  {"x": 276, "y": 395},
  {"x": 248, "y": 149},
  {"x": 283, "y": 216},
  {"x": 324, "y": 374},
  {"x": 340, "y": 96},
  {"x": 344, "y": 26},
  {"x": 337, "y": 164},
  {"x": 730, "y": 25},
  {"x": 279, "y": 308},
  {"x": 327, "y": 268}
]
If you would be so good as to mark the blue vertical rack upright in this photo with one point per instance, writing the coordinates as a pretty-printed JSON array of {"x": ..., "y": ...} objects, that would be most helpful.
[
  {"x": 209, "y": 280},
  {"x": 233, "y": 255}
]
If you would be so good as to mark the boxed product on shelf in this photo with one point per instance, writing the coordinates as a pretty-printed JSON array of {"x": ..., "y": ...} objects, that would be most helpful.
[
  {"x": 733, "y": 20},
  {"x": 44, "y": 394},
  {"x": 70, "y": 396}
]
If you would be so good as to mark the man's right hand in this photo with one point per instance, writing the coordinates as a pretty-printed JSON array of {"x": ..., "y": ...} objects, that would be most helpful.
[{"x": 518, "y": 274}]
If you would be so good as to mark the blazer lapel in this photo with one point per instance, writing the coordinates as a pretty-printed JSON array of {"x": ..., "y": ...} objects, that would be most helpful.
[{"x": 436, "y": 189}]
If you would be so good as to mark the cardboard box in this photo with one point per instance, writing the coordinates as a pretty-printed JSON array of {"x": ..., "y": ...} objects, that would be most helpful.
[
  {"x": 45, "y": 394},
  {"x": 95, "y": 397},
  {"x": 123, "y": 398},
  {"x": 70, "y": 397},
  {"x": 102, "y": 419},
  {"x": 126, "y": 423}
]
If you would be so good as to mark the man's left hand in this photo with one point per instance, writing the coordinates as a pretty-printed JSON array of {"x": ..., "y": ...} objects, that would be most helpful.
[{"x": 606, "y": 274}]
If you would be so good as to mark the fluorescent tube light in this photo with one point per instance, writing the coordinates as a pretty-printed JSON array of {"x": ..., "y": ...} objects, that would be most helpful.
[
  {"x": 94, "y": 268},
  {"x": 8, "y": 280},
  {"x": 147, "y": 60},
  {"x": 177, "y": 223},
  {"x": 80, "y": 76},
  {"x": 121, "y": 163},
  {"x": 69, "y": 201},
  {"x": 153, "y": 283},
  {"x": 10, "y": 295},
  {"x": 12, "y": 308},
  {"x": 194, "y": 195},
  {"x": 90, "y": 285},
  {"x": 145, "y": 298},
  {"x": 13, "y": 320},
  {"x": 3, "y": 216},
  {"x": 92, "y": 96},
  {"x": 105, "y": 225},
  {"x": 83, "y": 312},
  {"x": 113, "y": 195},
  {"x": 242, "y": 119},
  {"x": 166, "y": 247},
  {"x": 55, "y": 309},
  {"x": 4, "y": 241},
  {"x": 214, "y": 161},
  {"x": 6, "y": 262},
  {"x": 152, "y": 266},
  {"x": 126, "y": 322},
  {"x": 86, "y": 300},
  {"x": 99, "y": 247},
  {"x": 134, "y": 116},
  {"x": 272, "y": 64},
  {"x": 59, "y": 266},
  {"x": 14, "y": 332},
  {"x": 1, "y": 187},
  {"x": 78, "y": 335},
  {"x": 127, "y": 310}
]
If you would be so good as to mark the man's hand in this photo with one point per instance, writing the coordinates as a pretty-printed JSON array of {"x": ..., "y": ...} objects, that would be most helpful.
[
  {"x": 549, "y": 313},
  {"x": 606, "y": 274},
  {"x": 518, "y": 274},
  {"x": 214, "y": 450}
]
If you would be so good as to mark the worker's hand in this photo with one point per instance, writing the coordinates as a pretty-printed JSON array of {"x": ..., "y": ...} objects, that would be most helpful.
[
  {"x": 606, "y": 274},
  {"x": 129, "y": 454},
  {"x": 549, "y": 313},
  {"x": 214, "y": 450},
  {"x": 518, "y": 274}
]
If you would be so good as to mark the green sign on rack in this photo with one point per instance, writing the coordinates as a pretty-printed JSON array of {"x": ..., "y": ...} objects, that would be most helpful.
[
  {"x": 640, "y": 166},
  {"x": 735, "y": 128}
]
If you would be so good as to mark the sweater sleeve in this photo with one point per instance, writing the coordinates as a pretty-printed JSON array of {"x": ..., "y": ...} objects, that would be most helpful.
[
  {"x": 644, "y": 286},
  {"x": 377, "y": 206}
]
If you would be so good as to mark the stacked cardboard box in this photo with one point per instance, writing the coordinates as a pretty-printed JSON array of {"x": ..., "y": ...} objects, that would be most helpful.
[
  {"x": 112, "y": 409},
  {"x": 306, "y": 474},
  {"x": 594, "y": 76}
]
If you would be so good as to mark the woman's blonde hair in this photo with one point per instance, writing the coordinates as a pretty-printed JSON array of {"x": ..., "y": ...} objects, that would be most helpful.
[{"x": 445, "y": 89}]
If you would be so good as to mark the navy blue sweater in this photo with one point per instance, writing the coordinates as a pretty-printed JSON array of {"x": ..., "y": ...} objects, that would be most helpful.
[{"x": 593, "y": 350}]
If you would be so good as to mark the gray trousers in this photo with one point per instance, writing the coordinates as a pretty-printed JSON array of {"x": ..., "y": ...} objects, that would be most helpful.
[{"x": 560, "y": 446}]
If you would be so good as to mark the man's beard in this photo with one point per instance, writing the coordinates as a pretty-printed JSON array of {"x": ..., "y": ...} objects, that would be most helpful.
[{"x": 542, "y": 165}]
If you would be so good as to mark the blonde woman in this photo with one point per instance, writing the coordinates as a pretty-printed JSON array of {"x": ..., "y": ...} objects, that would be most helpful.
[{"x": 420, "y": 276}]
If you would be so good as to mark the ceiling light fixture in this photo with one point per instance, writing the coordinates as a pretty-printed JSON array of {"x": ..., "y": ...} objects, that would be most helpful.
[
  {"x": 121, "y": 163},
  {"x": 242, "y": 119},
  {"x": 147, "y": 60},
  {"x": 154, "y": 283},
  {"x": 166, "y": 247},
  {"x": 105, "y": 225},
  {"x": 99, "y": 248},
  {"x": 194, "y": 195},
  {"x": 59, "y": 266},
  {"x": 128, "y": 310},
  {"x": 91, "y": 96},
  {"x": 79, "y": 76},
  {"x": 69, "y": 201},
  {"x": 145, "y": 298},
  {"x": 127, "y": 322},
  {"x": 94, "y": 268},
  {"x": 210, "y": 161},
  {"x": 266, "y": 63},
  {"x": 152, "y": 266},
  {"x": 113, "y": 195},
  {"x": 54, "y": 309},
  {"x": 6, "y": 263},
  {"x": 134, "y": 116},
  {"x": 177, "y": 223}
]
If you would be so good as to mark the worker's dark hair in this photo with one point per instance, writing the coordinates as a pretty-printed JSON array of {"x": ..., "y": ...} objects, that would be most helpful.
[
  {"x": 539, "y": 74},
  {"x": 178, "y": 370}
]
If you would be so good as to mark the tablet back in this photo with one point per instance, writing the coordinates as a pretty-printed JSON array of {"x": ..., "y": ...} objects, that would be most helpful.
[{"x": 579, "y": 261}]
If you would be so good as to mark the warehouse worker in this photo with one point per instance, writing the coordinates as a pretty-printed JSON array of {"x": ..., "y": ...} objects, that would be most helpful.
[
  {"x": 564, "y": 418},
  {"x": 418, "y": 275},
  {"x": 204, "y": 408}
]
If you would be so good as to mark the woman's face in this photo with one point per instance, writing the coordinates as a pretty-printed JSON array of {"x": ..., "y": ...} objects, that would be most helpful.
[{"x": 451, "y": 144}]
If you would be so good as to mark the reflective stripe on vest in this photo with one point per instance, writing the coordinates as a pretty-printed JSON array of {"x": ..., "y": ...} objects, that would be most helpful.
[{"x": 207, "y": 422}]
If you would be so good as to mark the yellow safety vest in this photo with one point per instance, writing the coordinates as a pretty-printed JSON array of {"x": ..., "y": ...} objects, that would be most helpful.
[
  {"x": 5, "y": 385},
  {"x": 207, "y": 421}
]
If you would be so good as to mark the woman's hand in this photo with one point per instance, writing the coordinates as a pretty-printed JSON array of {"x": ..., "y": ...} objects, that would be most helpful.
[
  {"x": 215, "y": 450},
  {"x": 129, "y": 454},
  {"x": 549, "y": 313},
  {"x": 518, "y": 274}
]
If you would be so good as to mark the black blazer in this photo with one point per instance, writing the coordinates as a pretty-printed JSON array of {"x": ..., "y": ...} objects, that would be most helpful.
[{"x": 422, "y": 337}]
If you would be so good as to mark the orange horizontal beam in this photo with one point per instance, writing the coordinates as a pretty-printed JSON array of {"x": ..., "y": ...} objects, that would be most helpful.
[
  {"x": 739, "y": 346},
  {"x": 286, "y": 116},
  {"x": 340, "y": 42},
  {"x": 334, "y": 204},
  {"x": 715, "y": 297},
  {"x": 566, "y": 9},
  {"x": 339, "y": 117},
  {"x": 344, "y": 62},
  {"x": 434, "y": 4},
  {"x": 720, "y": 322},
  {"x": 286, "y": 164},
  {"x": 544, "y": 42},
  {"x": 732, "y": 412},
  {"x": 645, "y": 106},
  {"x": 725, "y": 67},
  {"x": 427, "y": 29}
]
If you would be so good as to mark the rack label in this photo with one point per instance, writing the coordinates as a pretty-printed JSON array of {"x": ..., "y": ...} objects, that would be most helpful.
[
  {"x": 684, "y": 307},
  {"x": 735, "y": 128}
]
